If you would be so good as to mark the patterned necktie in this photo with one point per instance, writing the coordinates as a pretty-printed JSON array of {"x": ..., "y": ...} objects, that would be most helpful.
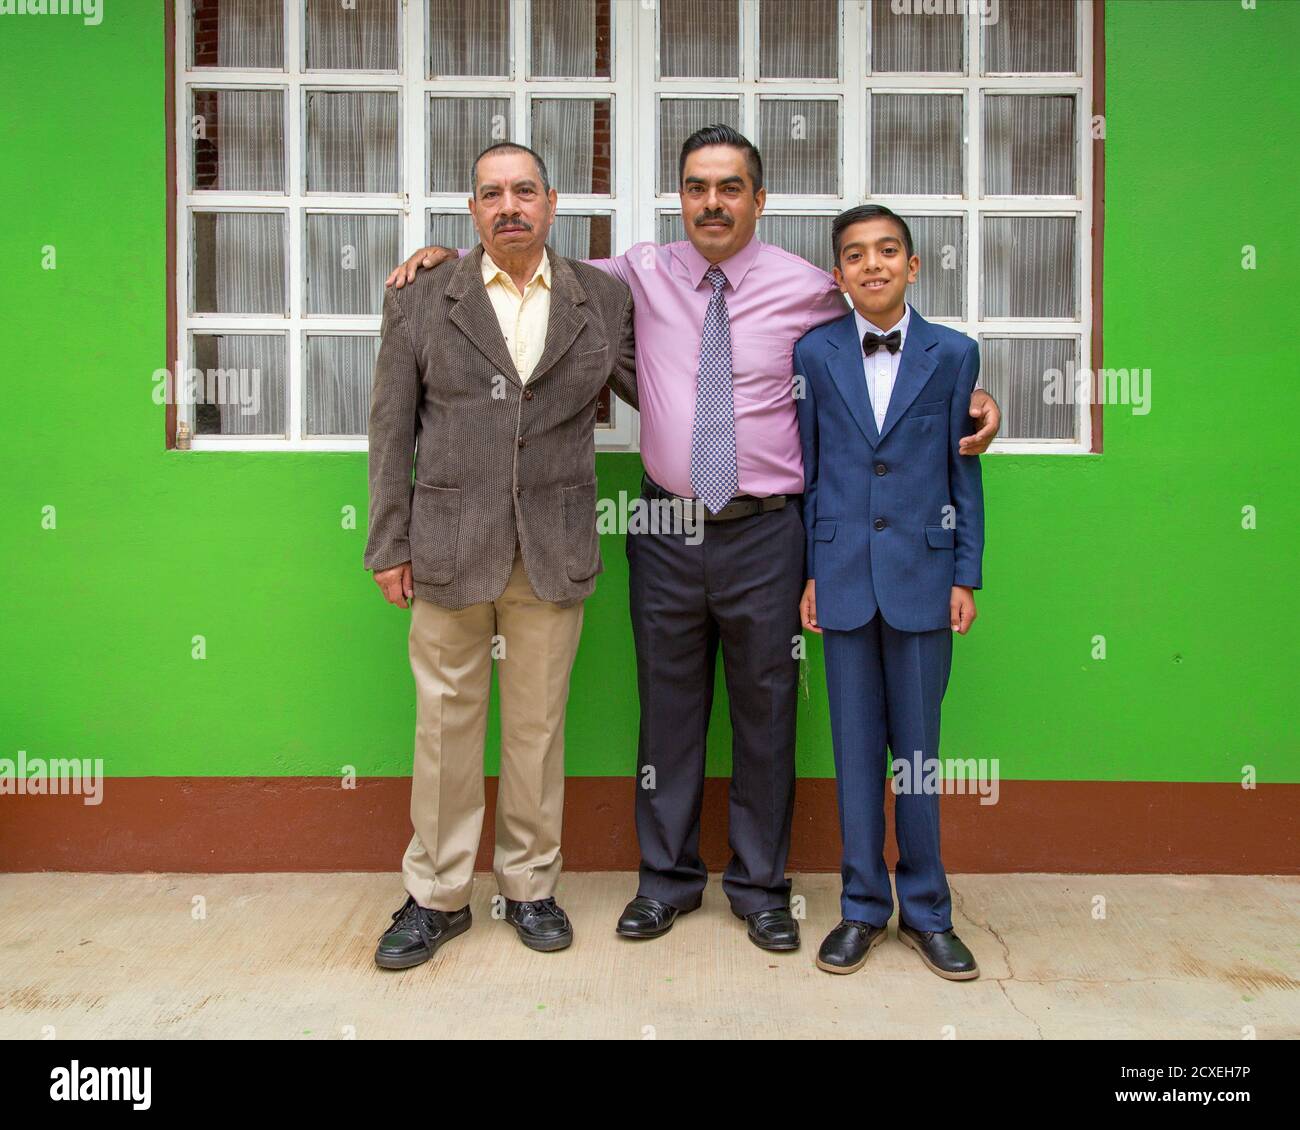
[{"x": 713, "y": 441}]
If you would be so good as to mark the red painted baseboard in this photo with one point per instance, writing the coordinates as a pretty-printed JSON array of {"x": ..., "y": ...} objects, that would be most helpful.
[{"x": 191, "y": 824}]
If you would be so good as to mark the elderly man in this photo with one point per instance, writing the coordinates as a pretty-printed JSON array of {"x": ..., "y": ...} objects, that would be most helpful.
[
  {"x": 717, "y": 318},
  {"x": 489, "y": 374}
]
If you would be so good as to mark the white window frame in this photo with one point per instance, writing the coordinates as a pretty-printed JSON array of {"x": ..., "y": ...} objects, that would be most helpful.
[{"x": 635, "y": 88}]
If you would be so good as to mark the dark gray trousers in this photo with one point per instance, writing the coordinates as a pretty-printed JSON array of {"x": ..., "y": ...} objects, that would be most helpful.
[{"x": 739, "y": 588}]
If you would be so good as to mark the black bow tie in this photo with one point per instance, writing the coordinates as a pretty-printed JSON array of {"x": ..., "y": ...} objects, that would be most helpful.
[{"x": 893, "y": 341}]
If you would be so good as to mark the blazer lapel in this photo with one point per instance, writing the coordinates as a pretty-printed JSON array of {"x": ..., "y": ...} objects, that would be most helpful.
[
  {"x": 566, "y": 318},
  {"x": 474, "y": 315},
  {"x": 914, "y": 370},
  {"x": 844, "y": 363}
]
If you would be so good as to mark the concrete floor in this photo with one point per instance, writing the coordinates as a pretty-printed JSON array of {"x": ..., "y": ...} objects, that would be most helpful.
[{"x": 289, "y": 956}]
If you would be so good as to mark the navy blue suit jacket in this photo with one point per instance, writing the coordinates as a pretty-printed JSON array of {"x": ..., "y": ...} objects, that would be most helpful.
[{"x": 895, "y": 516}]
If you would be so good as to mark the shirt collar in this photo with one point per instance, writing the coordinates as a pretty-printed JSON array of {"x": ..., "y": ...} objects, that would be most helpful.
[
  {"x": 901, "y": 327},
  {"x": 734, "y": 268},
  {"x": 491, "y": 270}
]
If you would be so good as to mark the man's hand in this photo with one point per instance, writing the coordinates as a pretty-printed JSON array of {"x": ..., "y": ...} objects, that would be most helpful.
[
  {"x": 426, "y": 257},
  {"x": 961, "y": 609},
  {"x": 808, "y": 608},
  {"x": 983, "y": 407},
  {"x": 395, "y": 583}
]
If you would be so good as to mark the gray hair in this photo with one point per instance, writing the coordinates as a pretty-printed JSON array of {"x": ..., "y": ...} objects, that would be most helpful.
[{"x": 509, "y": 147}]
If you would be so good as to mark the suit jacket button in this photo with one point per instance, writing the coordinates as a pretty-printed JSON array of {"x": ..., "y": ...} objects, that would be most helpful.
[
  {"x": 523, "y": 442},
  {"x": 518, "y": 491},
  {"x": 880, "y": 468},
  {"x": 528, "y": 394},
  {"x": 879, "y": 523}
]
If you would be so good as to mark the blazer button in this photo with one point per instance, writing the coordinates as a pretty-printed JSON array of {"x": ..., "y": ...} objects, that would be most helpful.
[
  {"x": 518, "y": 491},
  {"x": 528, "y": 394},
  {"x": 523, "y": 442},
  {"x": 880, "y": 468},
  {"x": 879, "y": 523}
]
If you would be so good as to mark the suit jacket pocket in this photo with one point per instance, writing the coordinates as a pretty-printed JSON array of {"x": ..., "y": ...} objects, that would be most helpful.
[
  {"x": 435, "y": 533},
  {"x": 582, "y": 545},
  {"x": 941, "y": 537},
  {"x": 824, "y": 529},
  {"x": 932, "y": 408}
]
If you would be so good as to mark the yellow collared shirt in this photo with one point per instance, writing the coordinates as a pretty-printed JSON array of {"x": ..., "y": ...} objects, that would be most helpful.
[{"x": 523, "y": 317}]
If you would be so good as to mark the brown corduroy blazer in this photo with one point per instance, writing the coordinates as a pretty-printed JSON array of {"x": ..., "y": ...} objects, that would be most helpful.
[{"x": 495, "y": 461}]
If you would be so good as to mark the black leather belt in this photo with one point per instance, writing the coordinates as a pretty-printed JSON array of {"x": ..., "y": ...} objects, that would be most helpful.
[{"x": 740, "y": 506}]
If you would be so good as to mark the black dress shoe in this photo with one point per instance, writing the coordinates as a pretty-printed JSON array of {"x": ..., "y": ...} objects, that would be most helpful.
[
  {"x": 944, "y": 952},
  {"x": 846, "y": 948},
  {"x": 773, "y": 929},
  {"x": 416, "y": 933},
  {"x": 647, "y": 918},
  {"x": 540, "y": 924}
]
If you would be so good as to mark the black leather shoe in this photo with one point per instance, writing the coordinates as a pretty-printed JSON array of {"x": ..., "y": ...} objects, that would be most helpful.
[
  {"x": 541, "y": 925},
  {"x": 773, "y": 929},
  {"x": 416, "y": 933},
  {"x": 944, "y": 952},
  {"x": 647, "y": 918},
  {"x": 846, "y": 948}
]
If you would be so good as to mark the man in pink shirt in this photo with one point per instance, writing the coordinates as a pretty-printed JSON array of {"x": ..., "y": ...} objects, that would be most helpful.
[{"x": 716, "y": 322}]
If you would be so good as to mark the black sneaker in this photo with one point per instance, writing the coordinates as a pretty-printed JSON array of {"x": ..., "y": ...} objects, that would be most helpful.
[
  {"x": 541, "y": 924},
  {"x": 416, "y": 933}
]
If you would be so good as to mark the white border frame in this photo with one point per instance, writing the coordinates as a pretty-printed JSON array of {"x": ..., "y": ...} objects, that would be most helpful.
[{"x": 634, "y": 86}]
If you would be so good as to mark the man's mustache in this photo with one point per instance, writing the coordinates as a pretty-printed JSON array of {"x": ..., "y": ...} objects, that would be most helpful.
[
  {"x": 512, "y": 222},
  {"x": 713, "y": 217}
]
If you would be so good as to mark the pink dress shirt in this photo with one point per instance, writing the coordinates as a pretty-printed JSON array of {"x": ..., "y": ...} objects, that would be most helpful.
[{"x": 773, "y": 299}]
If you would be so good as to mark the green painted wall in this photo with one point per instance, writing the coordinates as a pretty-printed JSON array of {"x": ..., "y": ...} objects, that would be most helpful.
[{"x": 307, "y": 668}]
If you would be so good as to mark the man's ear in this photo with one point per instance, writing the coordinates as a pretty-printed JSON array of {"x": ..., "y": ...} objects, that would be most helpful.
[
  {"x": 760, "y": 201},
  {"x": 839, "y": 279}
]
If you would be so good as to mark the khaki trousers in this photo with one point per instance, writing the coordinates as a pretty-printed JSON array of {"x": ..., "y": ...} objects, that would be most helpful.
[{"x": 534, "y": 643}]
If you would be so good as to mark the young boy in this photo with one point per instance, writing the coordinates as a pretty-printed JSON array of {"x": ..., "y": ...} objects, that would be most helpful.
[{"x": 895, "y": 524}]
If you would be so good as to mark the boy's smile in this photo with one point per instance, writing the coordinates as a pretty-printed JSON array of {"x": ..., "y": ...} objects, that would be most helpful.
[{"x": 874, "y": 270}]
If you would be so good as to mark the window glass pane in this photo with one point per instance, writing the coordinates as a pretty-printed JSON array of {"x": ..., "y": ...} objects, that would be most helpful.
[
  {"x": 569, "y": 39},
  {"x": 669, "y": 227},
  {"x": 582, "y": 237},
  {"x": 451, "y": 229},
  {"x": 469, "y": 37},
  {"x": 799, "y": 39},
  {"x": 916, "y": 144},
  {"x": 237, "y": 140},
  {"x": 337, "y": 372},
  {"x": 929, "y": 43},
  {"x": 361, "y": 36},
  {"x": 681, "y": 117},
  {"x": 1029, "y": 145},
  {"x": 940, "y": 287},
  {"x": 1017, "y": 372},
  {"x": 574, "y": 137},
  {"x": 239, "y": 384},
  {"x": 237, "y": 33},
  {"x": 807, "y": 236},
  {"x": 800, "y": 143},
  {"x": 699, "y": 38},
  {"x": 459, "y": 130},
  {"x": 352, "y": 143},
  {"x": 1031, "y": 36},
  {"x": 237, "y": 263},
  {"x": 348, "y": 258},
  {"x": 1030, "y": 268}
]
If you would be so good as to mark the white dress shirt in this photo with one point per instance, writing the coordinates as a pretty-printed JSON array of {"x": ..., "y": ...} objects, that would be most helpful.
[{"x": 881, "y": 368}]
